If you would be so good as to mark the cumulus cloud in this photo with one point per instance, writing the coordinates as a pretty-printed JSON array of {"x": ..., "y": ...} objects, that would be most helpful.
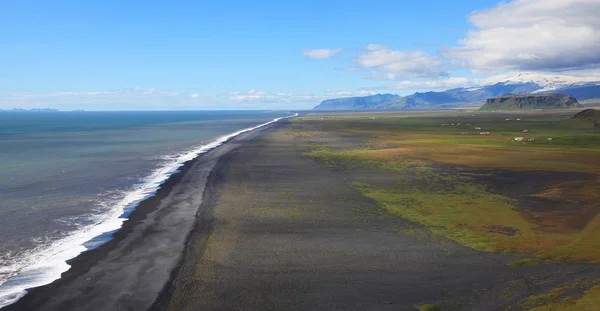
[
  {"x": 134, "y": 98},
  {"x": 383, "y": 63},
  {"x": 254, "y": 95},
  {"x": 343, "y": 93},
  {"x": 120, "y": 93},
  {"x": 537, "y": 35},
  {"x": 321, "y": 53},
  {"x": 449, "y": 83}
]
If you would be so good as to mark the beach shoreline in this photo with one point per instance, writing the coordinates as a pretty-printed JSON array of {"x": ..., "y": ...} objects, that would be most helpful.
[
  {"x": 271, "y": 228},
  {"x": 59, "y": 294},
  {"x": 282, "y": 231}
]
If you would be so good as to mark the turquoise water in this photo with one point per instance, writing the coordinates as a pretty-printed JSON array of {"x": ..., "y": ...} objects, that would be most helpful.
[{"x": 62, "y": 172}]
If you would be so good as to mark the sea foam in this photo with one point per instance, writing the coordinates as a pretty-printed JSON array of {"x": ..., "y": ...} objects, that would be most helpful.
[{"x": 46, "y": 265}]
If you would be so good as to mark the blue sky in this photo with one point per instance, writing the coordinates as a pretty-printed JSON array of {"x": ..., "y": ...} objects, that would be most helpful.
[{"x": 129, "y": 55}]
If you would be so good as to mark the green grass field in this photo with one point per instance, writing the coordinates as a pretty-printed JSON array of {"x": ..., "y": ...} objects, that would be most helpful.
[
  {"x": 422, "y": 153},
  {"x": 417, "y": 148}
]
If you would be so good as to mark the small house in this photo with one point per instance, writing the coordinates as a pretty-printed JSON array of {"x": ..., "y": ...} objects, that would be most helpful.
[
  {"x": 519, "y": 138},
  {"x": 477, "y": 128},
  {"x": 525, "y": 131},
  {"x": 550, "y": 138},
  {"x": 445, "y": 124},
  {"x": 484, "y": 133}
]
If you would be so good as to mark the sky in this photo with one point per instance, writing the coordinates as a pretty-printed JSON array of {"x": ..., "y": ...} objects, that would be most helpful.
[{"x": 179, "y": 55}]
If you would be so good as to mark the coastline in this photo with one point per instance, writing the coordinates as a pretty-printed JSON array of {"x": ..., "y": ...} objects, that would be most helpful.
[
  {"x": 281, "y": 231},
  {"x": 91, "y": 282}
]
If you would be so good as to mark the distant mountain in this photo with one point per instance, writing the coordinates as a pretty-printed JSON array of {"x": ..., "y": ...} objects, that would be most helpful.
[
  {"x": 546, "y": 82},
  {"x": 428, "y": 100},
  {"x": 459, "y": 96},
  {"x": 32, "y": 110},
  {"x": 531, "y": 101},
  {"x": 581, "y": 88},
  {"x": 378, "y": 101},
  {"x": 582, "y": 92}
]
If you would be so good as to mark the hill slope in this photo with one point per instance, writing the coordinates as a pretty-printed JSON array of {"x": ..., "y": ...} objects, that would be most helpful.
[
  {"x": 531, "y": 101},
  {"x": 357, "y": 103},
  {"x": 587, "y": 114}
]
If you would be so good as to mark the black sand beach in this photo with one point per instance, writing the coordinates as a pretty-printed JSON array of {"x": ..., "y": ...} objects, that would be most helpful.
[
  {"x": 282, "y": 232},
  {"x": 128, "y": 272},
  {"x": 274, "y": 230}
]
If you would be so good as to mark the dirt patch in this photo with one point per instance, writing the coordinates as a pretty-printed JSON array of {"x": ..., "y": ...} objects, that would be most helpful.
[
  {"x": 550, "y": 213},
  {"x": 292, "y": 234},
  {"x": 509, "y": 231}
]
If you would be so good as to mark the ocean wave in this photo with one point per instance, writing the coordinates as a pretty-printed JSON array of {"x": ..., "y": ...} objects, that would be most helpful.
[{"x": 45, "y": 265}]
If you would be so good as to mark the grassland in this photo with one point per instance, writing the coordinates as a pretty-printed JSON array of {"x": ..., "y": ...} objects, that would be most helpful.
[
  {"x": 538, "y": 198},
  {"x": 591, "y": 103}
]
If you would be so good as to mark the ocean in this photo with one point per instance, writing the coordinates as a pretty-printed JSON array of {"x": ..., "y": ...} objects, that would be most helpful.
[{"x": 69, "y": 179}]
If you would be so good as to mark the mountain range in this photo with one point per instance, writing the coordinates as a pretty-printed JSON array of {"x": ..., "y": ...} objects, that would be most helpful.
[{"x": 582, "y": 88}]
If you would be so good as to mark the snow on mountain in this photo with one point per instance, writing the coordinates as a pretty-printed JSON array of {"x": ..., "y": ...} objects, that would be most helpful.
[{"x": 547, "y": 82}]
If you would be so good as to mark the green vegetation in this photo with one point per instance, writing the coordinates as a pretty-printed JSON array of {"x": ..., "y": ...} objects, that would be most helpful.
[
  {"x": 428, "y": 307},
  {"x": 455, "y": 205},
  {"x": 527, "y": 262},
  {"x": 578, "y": 295},
  {"x": 451, "y": 206},
  {"x": 592, "y": 103},
  {"x": 589, "y": 302},
  {"x": 427, "y": 128},
  {"x": 531, "y": 101},
  {"x": 437, "y": 166}
]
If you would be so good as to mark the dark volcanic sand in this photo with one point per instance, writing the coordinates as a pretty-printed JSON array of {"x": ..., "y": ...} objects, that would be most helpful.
[
  {"x": 129, "y": 272},
  {"x": 277, "y": 231},
  {"x": 281, "y": 232}
]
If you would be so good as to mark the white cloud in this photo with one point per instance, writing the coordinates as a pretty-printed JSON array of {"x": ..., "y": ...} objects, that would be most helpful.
[
  {"x": 383, "y": 63},
  {"x": 343, "y": 93},
  {"x": 375, "y": 47},
  {"x": 195, "y": 96},
  {"x": 129, "y": 99},
  {"x": 321, "y": 53},
  {"x": 449, "y": 83},
  {"x": 282, "y": 97},
  {"x": 537, "y": 35},
  {"x": 120, "y": 93}
]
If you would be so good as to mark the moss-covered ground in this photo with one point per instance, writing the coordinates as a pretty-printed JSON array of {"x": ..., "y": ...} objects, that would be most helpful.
[{"x": 422, "y": 150}]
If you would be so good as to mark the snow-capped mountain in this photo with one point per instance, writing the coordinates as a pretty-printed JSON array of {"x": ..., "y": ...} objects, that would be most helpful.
[
  {"x": 547, "y": 82},
  {"x": 580, "y": 87}
]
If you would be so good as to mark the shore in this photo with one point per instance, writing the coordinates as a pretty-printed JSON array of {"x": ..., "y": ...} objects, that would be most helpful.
[
  {"x": 280, "y": 231},
  {"x": 130, "y": 271},
  {"x": 255, "y": 224}
]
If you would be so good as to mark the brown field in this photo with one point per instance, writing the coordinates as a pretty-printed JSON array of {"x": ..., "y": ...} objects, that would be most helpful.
[
  {"x": 539, "y": 197},
  {"x": 392, "y": 211}
]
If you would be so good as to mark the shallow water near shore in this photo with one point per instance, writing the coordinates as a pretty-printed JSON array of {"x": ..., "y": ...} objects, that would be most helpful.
[{"x": 68, "y": 180}]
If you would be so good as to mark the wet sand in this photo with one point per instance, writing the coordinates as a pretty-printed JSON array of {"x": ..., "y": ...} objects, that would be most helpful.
[
  {"x": 275, "y": 230},
  {"x": 130, "y": 271}
]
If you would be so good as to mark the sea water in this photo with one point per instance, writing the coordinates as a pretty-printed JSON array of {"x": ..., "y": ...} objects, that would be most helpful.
[{"x": 70, "y": 179}]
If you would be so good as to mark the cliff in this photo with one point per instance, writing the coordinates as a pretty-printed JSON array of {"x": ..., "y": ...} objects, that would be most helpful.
[{"x": 531, "y": 101}]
